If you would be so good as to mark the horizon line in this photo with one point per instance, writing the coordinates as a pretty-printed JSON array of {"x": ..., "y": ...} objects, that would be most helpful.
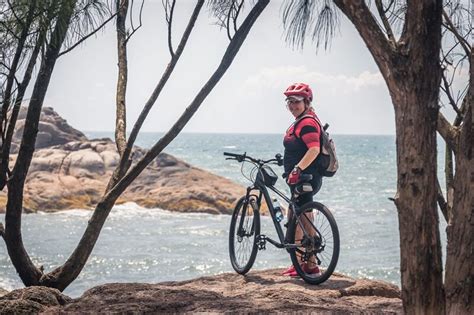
[{"x": 243, "y": 133}]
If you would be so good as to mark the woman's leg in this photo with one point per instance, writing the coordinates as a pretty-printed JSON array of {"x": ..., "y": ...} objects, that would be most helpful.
[{"x": 307, "y": 219}]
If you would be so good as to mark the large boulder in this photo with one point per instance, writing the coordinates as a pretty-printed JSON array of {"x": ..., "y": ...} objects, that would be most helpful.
[{"x": 52, "y": 130}]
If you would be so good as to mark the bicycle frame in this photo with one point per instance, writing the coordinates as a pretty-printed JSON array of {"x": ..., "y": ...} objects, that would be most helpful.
[{"x": 263, "y": 192}]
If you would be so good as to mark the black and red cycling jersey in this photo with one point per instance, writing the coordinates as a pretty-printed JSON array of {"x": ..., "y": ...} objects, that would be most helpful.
[{"x": 297, "y": 141}]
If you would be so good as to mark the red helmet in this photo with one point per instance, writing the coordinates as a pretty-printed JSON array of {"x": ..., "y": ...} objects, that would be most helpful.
[{"x": 299, "y": 89}]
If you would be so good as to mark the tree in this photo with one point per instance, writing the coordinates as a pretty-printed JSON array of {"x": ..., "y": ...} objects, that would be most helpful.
[
  {"x": 459, "y": 138},
  {"x": 411, "y": 68},
  {"x": 227, "y": 11}
]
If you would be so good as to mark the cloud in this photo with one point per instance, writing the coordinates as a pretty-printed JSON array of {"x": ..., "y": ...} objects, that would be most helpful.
[{"x": 279, "y": 77}]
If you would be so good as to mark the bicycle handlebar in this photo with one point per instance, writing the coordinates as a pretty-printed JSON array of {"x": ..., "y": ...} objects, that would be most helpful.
[{"x": 242, "y": 157}]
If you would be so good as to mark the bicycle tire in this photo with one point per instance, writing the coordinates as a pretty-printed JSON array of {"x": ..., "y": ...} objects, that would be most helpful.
[
  {"x": 251, "y": 230},
  {"x": 329, "y": 236}
]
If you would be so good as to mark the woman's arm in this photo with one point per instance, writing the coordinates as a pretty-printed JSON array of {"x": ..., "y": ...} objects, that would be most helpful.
[{"x": 308, "y": 158}]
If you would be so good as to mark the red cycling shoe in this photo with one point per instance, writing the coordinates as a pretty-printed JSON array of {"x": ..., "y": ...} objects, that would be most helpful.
[
  {"x": 290, "y": 271},
  {"x": 310, "y": 271}
]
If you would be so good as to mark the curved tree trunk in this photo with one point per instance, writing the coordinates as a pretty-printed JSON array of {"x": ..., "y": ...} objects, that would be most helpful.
[
  {"x": 27, "y": 271},
  {"x": 459, "y": 281}
]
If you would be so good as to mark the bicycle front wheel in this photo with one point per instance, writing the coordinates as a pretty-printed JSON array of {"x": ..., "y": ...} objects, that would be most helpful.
[
  {"x": 244, "y": 229},
  {"x": 316, "y": 237}
]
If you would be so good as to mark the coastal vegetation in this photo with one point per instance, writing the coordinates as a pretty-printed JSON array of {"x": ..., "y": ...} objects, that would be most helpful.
[{"x": 39, "y": 30}]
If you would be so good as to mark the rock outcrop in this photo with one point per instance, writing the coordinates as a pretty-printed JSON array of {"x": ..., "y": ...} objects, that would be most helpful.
[
  {"x": 52, "y": 130},
  {"x": 32, "y": 300},
  {"x": 74, "y": 173},
  {"x": 258, "y": 292}
]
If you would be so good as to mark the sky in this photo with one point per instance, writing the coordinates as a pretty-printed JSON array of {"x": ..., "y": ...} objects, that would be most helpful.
[{"x": 349, "y": 92}]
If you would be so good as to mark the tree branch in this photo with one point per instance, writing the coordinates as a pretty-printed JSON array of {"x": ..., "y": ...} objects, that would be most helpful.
[
  {"x": 447, "y": 91},
  {"x": 135, "y": 29},
  {"x": 443, "y": 205},
  {"x": 386, "y": 24},
  {"x": 87, "y": 36},
  {"x": 16, "y": 61},
  {"x": 237, "y": 13},
  {"x": 5, "y": 151},
  {"x": 450, "y": 26},
  {"x": 447, "y": 131},
  {"x": 169, "y": 20}
]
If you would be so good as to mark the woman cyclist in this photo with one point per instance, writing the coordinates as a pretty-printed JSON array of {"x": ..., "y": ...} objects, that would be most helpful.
[{"x": 302, "y": 147}]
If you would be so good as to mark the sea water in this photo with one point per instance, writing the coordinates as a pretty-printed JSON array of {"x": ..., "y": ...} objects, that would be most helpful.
[{"x": 154, "y": 245}]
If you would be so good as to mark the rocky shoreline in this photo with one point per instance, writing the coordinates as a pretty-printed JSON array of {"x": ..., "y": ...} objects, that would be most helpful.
[
  {"x": 69, "y": 171},
  {"x": 257, "y": 292}
]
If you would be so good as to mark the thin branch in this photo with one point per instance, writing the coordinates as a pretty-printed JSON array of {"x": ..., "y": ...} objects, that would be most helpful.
[
  {"x": 134, "y": 29},
  {"x": 385, "y": 22},
  {"x": 447, "y": 91},
  {"x": 228, "y": 18},
  {"x": 169, "y": 20},
  {"x": 449, "y": 176},
  {"x": 449, "y": 25},
  {"x": 443, "y": 205},
  {"x": 87, "y": 36},
  {"x": 15, "y": 63},
  {"x": 237, "y": 13}
]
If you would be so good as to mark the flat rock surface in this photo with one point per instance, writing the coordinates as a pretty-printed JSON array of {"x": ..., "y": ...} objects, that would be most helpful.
[{"x": 258, "y": 292}]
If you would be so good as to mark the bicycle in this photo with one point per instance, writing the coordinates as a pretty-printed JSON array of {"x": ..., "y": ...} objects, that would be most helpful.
[{"x": 312, "y": 236}]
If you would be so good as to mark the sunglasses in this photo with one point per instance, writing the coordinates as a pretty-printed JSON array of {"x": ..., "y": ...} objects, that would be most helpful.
[{"x": 293, "y": 101}]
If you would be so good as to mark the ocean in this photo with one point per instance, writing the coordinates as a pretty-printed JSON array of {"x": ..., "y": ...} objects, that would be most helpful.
[{"x": 154, "y": 245}]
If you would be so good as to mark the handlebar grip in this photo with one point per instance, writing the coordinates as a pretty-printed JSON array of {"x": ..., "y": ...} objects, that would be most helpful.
[{"x": 232, "y": 154}]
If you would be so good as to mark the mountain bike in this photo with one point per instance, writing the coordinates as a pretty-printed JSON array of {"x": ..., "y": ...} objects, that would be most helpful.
[{"x": 312, "y": 236}]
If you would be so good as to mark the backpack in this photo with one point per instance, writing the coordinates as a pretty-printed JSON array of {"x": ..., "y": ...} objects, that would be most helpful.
[{"x": 327, "y": 159}]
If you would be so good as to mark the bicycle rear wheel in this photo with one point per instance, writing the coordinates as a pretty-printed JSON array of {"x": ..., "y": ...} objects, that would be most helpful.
[
  {"x": 244, "y": 228},
  {"x": 316, "y": 235}
]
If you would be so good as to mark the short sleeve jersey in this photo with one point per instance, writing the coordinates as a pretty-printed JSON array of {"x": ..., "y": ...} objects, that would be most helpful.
[{"x": 297, "y": 141}]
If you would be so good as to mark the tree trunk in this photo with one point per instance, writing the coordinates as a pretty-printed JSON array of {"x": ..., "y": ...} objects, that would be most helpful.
[
  {"x": 121, "y": 121},
  {"x": 460, "y": 253},
  {"x": 411, "y": 70},
  {"x": 27, "y": 271},
  {"x": 420, "y": 247}
]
